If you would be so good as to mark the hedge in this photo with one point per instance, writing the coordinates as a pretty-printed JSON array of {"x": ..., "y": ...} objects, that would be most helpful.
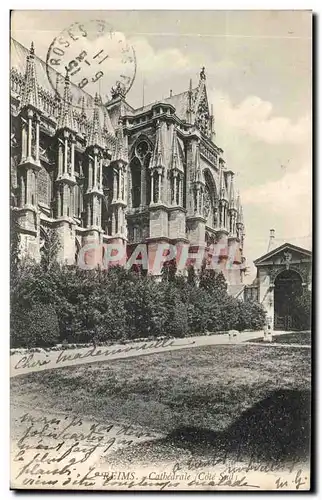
[{"x": 65, "y": 304}]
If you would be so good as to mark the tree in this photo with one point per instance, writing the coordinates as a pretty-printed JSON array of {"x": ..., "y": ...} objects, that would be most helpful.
[
  {"x": 169, "y": 271},
  {"x": 35, "y": 327},
  {"x": 221, "y": 283},
  {"x": 303, "y": 311},
  {"x": 251, "y": 315},
  {"x": 50, "y": 250},
  {"x": 14, "y": 244},
  {"x": 191, "y": 278},
  {"x": 213, "y": 282}
]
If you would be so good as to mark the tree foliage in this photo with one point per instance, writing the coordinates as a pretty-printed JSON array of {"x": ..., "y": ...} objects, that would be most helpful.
[
  {"x": 303, "y": 310},
  {"x": 118, "y": 304}
]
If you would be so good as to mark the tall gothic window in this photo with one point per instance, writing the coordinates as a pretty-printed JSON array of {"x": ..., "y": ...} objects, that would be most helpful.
[
  {"x": 136, "y": 182},
  {"x": 140, "y": 174},
  {"x": 210, "y": 201},
  {"x": 148, "y": 178}
]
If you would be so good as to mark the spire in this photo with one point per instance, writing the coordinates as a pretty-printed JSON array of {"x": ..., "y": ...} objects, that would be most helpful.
[
  {"x": 212, "y": 124},
  {"x": 202, "y": 118},
  {"x": 119, "y": 152},
  {"x": 202, "y": 75},
  {"x": 95, "y": 137},
  {"x": 107, "y": 126},
  {"x": 232, "y": 197},
  {"x": 30, "y": 90},
  {"x": 199, "y": 178},
  {"x": 190, "y": 103},
  {"x": 222, "y": 184},
  {"x": 83, "y": 112},
  {"x": 158, "y": 153},
  {"x": 66, "y": 117},
  {"x": 176, "y": 163},
  {"x": 57, "y": 97},
  {"x": 240, "y": 215},
  {"x": 83, "y": 117}
]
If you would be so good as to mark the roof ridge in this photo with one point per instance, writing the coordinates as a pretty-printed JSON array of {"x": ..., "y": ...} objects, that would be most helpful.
[
  {"x": 51, "y": 68},
  {"x": 280, "y": 247},
  {"x": 160, "y": 101}
]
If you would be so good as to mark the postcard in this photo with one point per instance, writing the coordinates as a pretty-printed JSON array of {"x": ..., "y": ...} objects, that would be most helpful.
[{"x": 161, "y": 250}]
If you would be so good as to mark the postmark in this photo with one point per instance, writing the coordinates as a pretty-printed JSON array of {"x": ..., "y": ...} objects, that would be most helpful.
[{"x": 97, "y": 58}]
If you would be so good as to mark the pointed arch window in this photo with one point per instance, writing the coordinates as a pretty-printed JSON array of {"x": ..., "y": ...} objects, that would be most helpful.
[
  {"x": 135, "y": 169},
  {"x": 210, "y": 201},
  {"x": 147, "y": 178}
]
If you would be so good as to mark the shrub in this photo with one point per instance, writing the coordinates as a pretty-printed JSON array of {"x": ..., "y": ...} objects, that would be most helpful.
[
  {"x": 118, "y": 304},
  {"x": 251, "y": 315},
  {"x": 303, "y": 311},
  {"x": 36, "y": 327}
]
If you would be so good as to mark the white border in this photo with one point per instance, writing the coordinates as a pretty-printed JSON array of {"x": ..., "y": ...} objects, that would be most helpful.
[{"x": 4, "y": 184}]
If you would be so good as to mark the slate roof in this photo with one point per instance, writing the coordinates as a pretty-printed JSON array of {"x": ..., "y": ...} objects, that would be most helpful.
[
  {"x": 18, "y": 59},
  {"x": 179, "y": 102}
]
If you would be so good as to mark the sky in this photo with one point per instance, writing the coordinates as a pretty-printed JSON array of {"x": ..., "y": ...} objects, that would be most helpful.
[{"x": 258, "y": 69}]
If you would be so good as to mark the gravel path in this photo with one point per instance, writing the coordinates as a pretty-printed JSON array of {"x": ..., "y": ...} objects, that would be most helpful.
[{"x": 38, "y": 361}]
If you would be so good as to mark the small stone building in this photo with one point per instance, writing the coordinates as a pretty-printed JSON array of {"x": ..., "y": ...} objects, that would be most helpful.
[{"x": 282, "y": 274}]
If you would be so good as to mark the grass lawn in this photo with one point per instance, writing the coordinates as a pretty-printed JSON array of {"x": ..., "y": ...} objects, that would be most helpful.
[
  {"x": 183, "y": 393},
  {"x": 302, "y": 338}
]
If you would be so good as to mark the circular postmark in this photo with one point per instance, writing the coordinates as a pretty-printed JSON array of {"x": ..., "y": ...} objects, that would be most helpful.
[{"x": 97, "y": 59}]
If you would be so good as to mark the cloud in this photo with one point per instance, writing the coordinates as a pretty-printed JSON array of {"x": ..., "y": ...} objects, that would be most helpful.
[
  {"x": 154, "y": 62},
  {"x": 254, "y": 117},
  {"x": 289, "y": 192},
  {"x": 285, "y": 204}
]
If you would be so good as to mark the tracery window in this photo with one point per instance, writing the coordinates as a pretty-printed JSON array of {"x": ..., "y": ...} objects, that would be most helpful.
[
  {"x": 210, "y": 201},
  {"x": 140, "y": 174}
]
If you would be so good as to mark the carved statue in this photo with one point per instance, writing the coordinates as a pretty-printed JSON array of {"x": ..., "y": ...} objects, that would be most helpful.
[
  {"x": 287, "y": 259},
  {"x": 202, "y": 73},
  {"x": 119, "y": 90},
  {"x": 207, "y": 204}
]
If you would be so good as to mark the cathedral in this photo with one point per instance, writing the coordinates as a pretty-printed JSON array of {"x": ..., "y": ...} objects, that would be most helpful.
[{"x": 107, "y": 173}]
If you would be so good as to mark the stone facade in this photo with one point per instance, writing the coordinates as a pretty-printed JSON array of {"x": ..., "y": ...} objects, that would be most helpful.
[
  {"x": 108, "y": 173},
  {"x": 289, "y": 262}
]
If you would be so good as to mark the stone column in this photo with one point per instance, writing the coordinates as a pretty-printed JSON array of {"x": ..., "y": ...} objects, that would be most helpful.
[
  {"x": 95, "y": 170},
  {"x": 22, "y": 190},
  {"x": 29, "y": 136},
  {"x": 113, "y": 222},
  {"x": 119, "y": 196},
  {"x": 101, "y": 173},
  {"x": 114, "y": 184},
  {"x": 90, "y": 174},
  {"x": 152, "y": 186},
  {"x": 175, "y": 188},
  {"x": 88, "y": 213},
  {"x": 37, "y": 140},
  {"x": 198, "y": 199},
  {"x": 66, "y": 156},
  {"x": 160, "y": 185},
  {"x": 60, "y": 160},
  {"x": 73, "y": 158},
  {"x": 24, "y": 141}
]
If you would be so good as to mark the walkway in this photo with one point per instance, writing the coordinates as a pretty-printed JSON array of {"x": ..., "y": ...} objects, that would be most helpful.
[{"x": 38, "y": 361}]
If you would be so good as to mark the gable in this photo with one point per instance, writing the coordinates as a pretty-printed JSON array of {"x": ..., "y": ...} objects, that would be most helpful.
[
  {"x": 202, "y": 114},
  {"x": 286, "y": 253}
]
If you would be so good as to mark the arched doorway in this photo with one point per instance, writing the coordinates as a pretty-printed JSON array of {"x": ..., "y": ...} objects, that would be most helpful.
[{"x": 288, "y": 287}]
